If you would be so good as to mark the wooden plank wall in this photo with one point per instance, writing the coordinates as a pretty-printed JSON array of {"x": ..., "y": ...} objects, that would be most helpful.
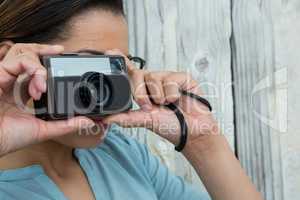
[
  {"x": 286, "y": 18},
  {"x": 253, "y": 59},
  {"x": 192, "y": 36},
  {"x": 195, "y": 36},
  {"x": 265, "y": 65}
]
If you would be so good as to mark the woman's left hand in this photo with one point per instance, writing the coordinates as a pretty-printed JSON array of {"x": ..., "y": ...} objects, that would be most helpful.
[
  {"x": 206, "y": 149},
  {"x": 152, "y": 91}
]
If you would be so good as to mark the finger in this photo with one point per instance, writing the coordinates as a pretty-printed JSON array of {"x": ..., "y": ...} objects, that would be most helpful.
[
  {"x": 38, "y": 49},
  {"x": 117, "y": 52},
  {"x": 137, "y": 118},
  {"x": 139, "y": 90},
  {"x": 7, "y": 77},
  {"x": 138, "y": 83},
  {"x": 155, "y": 88},
  {"x": 171, "y": 90},
  {"x": 39, "y": 75},
  {"x": 4, "y": 48},
  {"x": 33, "y": 69},
  {"x": 38, "y": 84},
  {"x": 50, "y": 130},
  {"x": 42, "y": 49},
  {"x": 184, "y": 81},
  {"x": 39, "y": 80},
  {"x": 28, "y": 64},
  {"x": 22, "y": 52}
]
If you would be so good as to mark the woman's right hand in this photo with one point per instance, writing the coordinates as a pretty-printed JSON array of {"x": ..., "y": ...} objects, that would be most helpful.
[{"x": 18, "y": 128}]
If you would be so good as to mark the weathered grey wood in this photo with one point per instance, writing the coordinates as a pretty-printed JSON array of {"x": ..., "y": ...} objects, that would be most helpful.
[
  {"x": 286, "y": 17},
  {"x": 192, "y": 36},
  {"x": 253, "y": 61},
  {"x": 266, "y": 47}
]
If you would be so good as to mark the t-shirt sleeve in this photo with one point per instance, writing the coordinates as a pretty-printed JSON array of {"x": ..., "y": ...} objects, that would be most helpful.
[{"x": 166, "y": 184}]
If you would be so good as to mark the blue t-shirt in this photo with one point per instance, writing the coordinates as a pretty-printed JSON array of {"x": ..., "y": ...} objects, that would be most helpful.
[{"x": 119, "y": 169}]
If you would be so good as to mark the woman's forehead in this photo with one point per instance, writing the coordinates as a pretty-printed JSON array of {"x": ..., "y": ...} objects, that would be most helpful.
[{"x": 98, "y": 30}]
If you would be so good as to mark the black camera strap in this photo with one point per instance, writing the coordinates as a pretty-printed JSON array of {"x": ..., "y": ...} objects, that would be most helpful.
[
  {"x": 183, "y": 127},
  {"x": 181, "y": 119}
]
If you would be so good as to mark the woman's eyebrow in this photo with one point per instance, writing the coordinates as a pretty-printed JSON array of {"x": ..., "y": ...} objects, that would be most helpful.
[
  {"x": 90, "y": 51},
  {"x": 94, "y": 52}
]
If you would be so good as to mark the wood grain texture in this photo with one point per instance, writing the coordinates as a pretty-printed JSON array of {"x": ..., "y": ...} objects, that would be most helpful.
[
  {"x": 286, "y": 17},
  {"x": 266, "y": 44},
  {"x": 191, "y": 36},
  {"x": 253, "y": 62}
]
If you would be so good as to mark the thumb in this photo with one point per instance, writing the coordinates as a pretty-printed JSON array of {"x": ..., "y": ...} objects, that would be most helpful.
[
  {"x": 4, "y": 48},
  {"x": 49, "y": 130},
  {"x": 137, "y": 118}
]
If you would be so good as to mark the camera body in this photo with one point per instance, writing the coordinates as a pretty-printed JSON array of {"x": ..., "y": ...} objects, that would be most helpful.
[{"x": 84, "y": 85}]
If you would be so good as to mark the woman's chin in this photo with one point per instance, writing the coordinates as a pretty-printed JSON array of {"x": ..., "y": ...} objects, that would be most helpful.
[{"x": 83, "y": 140}]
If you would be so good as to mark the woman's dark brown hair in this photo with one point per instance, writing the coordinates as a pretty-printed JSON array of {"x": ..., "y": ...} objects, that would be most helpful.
[{"x": 42, "y": 21}]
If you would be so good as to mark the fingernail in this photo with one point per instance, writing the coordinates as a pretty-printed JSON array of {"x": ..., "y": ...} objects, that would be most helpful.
[
  {"x": 44, "y": 86},
  {"x": 38, "y": 95},
  {"x": 33, "y": 92}
]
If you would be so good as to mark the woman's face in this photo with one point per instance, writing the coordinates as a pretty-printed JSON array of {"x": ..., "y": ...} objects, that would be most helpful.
[{"x": 94, "y": 30}]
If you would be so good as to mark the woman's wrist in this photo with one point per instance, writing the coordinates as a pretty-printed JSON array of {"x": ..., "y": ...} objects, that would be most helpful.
[
  {"x": 219, "y": 170},
  {"x": 206, "y": 146},
  {"x": 2, "y": 152}
]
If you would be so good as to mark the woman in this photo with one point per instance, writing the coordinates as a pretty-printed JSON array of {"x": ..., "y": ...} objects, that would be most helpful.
[{"x": 52, "y": 160}]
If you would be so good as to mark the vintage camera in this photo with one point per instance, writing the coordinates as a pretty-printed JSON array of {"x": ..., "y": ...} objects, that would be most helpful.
[{"x": 87, "y": 85}]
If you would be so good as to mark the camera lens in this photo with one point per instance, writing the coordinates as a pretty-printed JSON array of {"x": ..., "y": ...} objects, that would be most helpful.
[{"x": 95, "y": 90}]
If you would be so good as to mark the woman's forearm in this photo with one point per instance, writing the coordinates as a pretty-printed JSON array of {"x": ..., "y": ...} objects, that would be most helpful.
[{"x": 219, "y": 169}]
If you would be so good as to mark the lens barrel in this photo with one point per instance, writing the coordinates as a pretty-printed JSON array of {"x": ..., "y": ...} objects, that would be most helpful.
[{"x": 95, "y": 90}]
